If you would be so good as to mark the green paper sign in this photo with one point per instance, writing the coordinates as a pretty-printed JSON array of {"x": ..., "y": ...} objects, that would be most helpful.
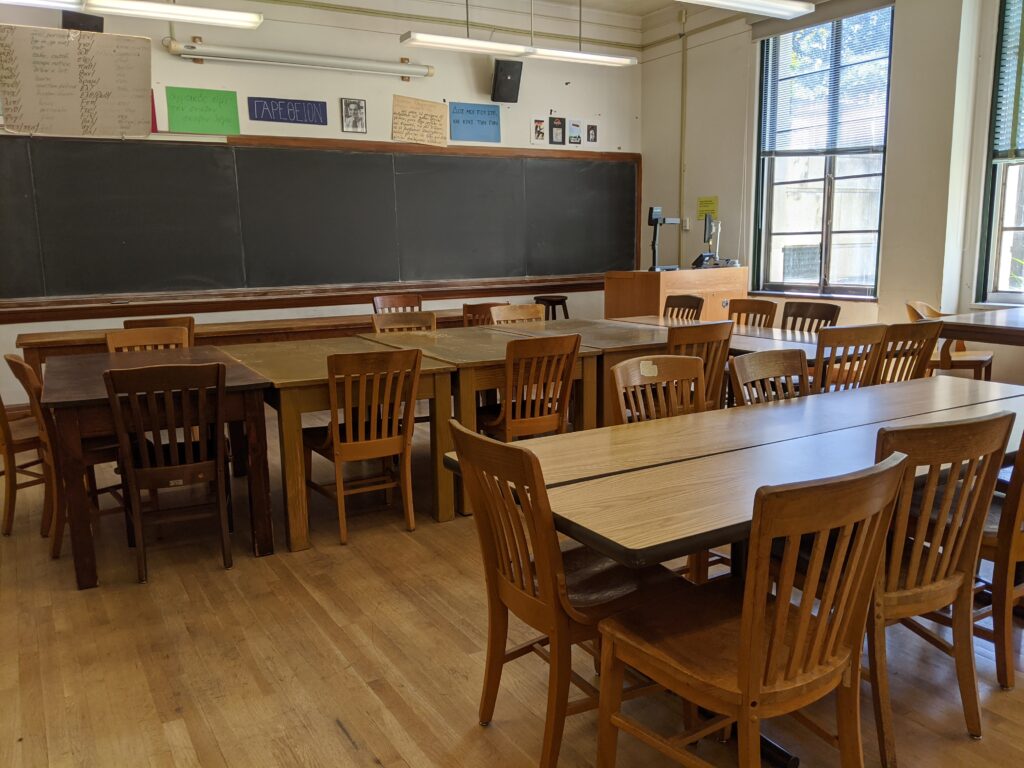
[{"x": 200, "y": 110}]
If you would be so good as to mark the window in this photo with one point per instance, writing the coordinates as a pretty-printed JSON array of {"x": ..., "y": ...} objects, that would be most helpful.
[
  {"x": 1004, "y": 245},
  {"x": 824, "y": 105}
]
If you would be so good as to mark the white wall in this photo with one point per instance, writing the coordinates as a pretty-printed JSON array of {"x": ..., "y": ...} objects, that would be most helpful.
[{"x": 609, "y": 96}]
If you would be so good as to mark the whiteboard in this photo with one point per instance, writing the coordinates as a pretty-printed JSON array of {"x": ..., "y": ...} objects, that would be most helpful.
[{"x": 63, "y": 82}]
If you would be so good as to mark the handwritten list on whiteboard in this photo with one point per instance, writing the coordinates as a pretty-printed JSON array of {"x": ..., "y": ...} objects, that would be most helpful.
[{"x": 56, "y": 82}]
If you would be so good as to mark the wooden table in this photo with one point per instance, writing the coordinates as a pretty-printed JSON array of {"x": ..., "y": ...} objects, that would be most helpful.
[
  {"x": 73, "y": 388},
  {"x": 995, "y": 326},
  {"x": 298, "y": 372},
  {"x": 745, "y": 338},
  {"x": 478, "y": 354},
  {"x": 38, "y": 347}
]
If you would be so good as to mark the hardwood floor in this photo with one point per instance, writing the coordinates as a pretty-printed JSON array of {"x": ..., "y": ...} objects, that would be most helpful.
[{"x": 364, "y": 655}]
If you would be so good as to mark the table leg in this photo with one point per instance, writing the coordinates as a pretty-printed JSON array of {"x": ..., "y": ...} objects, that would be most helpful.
[
  {"x": 590, "y": 392},
  {"x": 72, "y": 469},
  {"x": 440, "y": 444},
  {"x": 259, "y": 474},
  {"x": 466, "y": 415},
  {"x": 293, "y": 471},
  {"x": 239, "y": 448}
]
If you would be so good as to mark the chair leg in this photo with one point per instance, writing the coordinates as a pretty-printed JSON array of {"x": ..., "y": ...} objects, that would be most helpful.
[
  {"x": 49, "y": 501},
  {"x": 224, "y": 501},
  {"x": 1002, "y": 622},
  {"x": 339, "y": 479},
  {"x": 497, "y": 636},
  {"x": 697, "y": 567},
  {"x": 851, "y": 750},
  {"x": 10, "y": 492},
  {"x": 612, "y": 675},
  {"x": 558, "y": 698},
  {"x": 748, "y": 737},
  {"x": 963, "y": 654},
  {"x": 879, "y": 670},
  {"x": 405, "y": 483},
  {"x": 140, "y": 542}
]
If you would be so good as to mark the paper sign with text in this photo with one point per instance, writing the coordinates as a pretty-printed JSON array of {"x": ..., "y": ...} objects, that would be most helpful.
[
  {"x": 475, "y": 122},
  {"x": 287, "y": 110},
  {"x": 419, "y": 121}
]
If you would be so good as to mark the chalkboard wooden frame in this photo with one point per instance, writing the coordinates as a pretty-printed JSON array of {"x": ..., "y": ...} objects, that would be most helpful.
[{"x": 173, "y": 302}]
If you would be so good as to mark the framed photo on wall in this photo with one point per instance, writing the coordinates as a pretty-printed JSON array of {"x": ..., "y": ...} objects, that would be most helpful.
[
  {"x": 556, "y": 130},
  {"x": 353, "y": 115}
]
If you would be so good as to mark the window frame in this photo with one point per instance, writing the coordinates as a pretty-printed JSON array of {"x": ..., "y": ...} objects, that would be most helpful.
[{"x": 764, "y": 183}]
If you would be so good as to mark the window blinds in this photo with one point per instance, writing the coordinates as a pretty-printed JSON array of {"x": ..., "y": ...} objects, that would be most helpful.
[
  {"x": 1008, "y": 125},
  {"x": 826, "y": 88}
]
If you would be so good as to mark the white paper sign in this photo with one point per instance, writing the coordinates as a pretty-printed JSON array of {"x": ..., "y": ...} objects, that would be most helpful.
[{"x": 57, "y": 82}]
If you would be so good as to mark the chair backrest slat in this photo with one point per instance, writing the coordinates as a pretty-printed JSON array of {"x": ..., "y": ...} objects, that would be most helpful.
[
  {"x": 683, "y": 307},
  {"x": 757, "y": 313},
  {"x": 397, "y": 302},
  {"x": 659, "y": 386},
  {"x": 804, "y": 612},
  {"x": 709, "y": 342},
  {"x": 764, "y": 377},
  {"x": 809, "y": 316},
  {"x": 510, "y": 314},
  {"x": 906, "y": 351},
  {"x": 148, "y": 338},
  {"x": 847, "y": 357},
  {"x": 397, "y": 321},
  {"x": 538, "y": 383}
]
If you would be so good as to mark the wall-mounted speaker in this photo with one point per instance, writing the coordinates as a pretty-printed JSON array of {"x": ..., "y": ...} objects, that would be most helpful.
[{"x": 507, "y": 74}]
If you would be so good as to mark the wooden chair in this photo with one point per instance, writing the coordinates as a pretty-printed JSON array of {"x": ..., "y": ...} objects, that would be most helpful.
[
  {"x": 1002, "y": 544},
  {"x": 953, "y": 354},
  {"x": 709, "y": 342},
  {"x": 560, "y": 591},
  {"x": 535, "y": 392},
  {"x": 140, "y": 339},
  {"x": 757, "y": 313},
  {"x": 809, "y": 316},
  {"x": 170, "y": 423},
  {"x": 933, "y": 552},
  {"x": 765, "y": 648},
  {"x": 656, "y": 387},
  {"x": 764, "y": 377},
  {"x": 19, "y": 434},
  {"x": 165, "y": 322},
  {"x": 395, "y": 321},
  {"x": 509, "y": 314},
  {"x": 373, "y": 398},
  {"x": 478, "y": 314},
  {"x": 683, "y": 307},
  {"x": 397, "y": 302},
  {"x": 906, "y": 351},
  {"x": 847, "y": 358}
]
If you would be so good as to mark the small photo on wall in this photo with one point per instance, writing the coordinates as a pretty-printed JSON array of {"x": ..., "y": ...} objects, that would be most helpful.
[
  {"x": 539, "y": 130},
  {"x": 556, "y": 130},
  {"x": 575, "y": 132},
  {"x": 353, "y": 115},
  {"x": 591, "y": 133}
]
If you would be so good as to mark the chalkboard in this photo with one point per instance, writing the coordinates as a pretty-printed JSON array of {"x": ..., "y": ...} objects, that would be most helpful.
[
  {"x": 316, "y": 218},
  {"x": 126, "y": 217},
  {"x": 461, "y": 217},
  {"x": 85, "y": 217},
  {"x": 575, "y": 216}
]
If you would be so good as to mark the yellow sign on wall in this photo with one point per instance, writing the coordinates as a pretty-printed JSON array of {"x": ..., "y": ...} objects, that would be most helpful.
[{"x": 707, "y": 206}]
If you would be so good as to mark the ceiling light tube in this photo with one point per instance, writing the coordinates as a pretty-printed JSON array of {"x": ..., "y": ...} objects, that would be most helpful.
[
  {"x": 581, "y": 57},
  {"x": 209, "y": 52},
  {"x": 62, "y": 5},
  {"x": 466, "y": 44},
  {"x": 171, "y": 12},
  {"x": 778, "y": 9}
]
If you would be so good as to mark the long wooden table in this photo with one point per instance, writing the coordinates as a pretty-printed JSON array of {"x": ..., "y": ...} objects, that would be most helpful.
[
  {"x": 994, "y": 326},
  {"x": 38, "y": 347},
  {"x": 73, "y": 388},
  {"x": 298, "y": 373},
  {"x": 745, "y": 338}
]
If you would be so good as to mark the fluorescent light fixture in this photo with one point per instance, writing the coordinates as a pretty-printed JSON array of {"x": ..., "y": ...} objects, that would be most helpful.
[
  {"x": 208, "y": 52},
  {"x": 144, "y": 9},
  {"x": 466, "y": 44},
  {"x": 778, "y": 9},
  {"x": 62, "y": 5},
  {"x": 581, "y": 57}
]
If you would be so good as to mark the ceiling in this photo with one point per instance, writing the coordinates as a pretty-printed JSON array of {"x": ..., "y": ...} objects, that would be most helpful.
[{"x": 632, "y": 7}]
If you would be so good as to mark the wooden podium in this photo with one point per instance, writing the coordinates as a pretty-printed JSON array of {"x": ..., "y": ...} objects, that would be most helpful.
[{"x": 629, "y": 294}]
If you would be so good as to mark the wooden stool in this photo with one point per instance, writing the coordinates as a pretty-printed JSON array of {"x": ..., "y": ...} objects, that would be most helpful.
[{"x": 551, "y": 305}]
